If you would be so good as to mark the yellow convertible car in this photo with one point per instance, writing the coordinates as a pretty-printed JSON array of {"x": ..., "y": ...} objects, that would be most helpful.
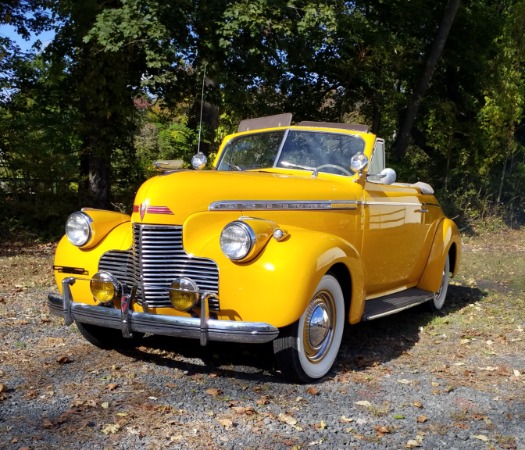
[{"x": 297, "y": 230}]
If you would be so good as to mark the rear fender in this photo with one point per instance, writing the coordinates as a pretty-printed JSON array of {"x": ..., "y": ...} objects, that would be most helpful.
[{"x": 447, "y": 241}]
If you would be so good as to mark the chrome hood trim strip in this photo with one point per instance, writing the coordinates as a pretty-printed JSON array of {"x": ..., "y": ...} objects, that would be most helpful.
[{"x": 283, "y": 205}]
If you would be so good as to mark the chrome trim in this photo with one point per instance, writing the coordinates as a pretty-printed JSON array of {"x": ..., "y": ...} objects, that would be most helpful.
[
  {"x": 391, "y": 204},
  {"x": 67, "y": 300},
  {"x": 205, "y": 317},
  {"x": 89, "y": 222},
  {"x": 125, "y": 308},
  {"x": 249, "y": 233},
  {"x": 396, "y": 310},
  {"x": 293, "y": 205},
  {"x": 283, "y": 205},
  {"x": 156, "y": 258},
  {"x": 185, "y": 327}
]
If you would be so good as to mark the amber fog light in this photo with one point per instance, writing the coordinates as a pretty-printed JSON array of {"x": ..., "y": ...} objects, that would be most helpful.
[
  {"x": 184, "y": 294},
  {"x": 104, "y": 287}
]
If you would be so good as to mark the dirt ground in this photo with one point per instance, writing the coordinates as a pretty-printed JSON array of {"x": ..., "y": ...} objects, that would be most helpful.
[{"x": 412, "y": 380}]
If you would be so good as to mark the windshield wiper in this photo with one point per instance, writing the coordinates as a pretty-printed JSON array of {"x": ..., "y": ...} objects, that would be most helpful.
[
  {"x": 232, "y": 166},
  {"x": 290, "y": 165}
]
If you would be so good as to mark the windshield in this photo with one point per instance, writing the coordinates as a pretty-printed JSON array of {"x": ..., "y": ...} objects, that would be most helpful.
[{"x": 299, "y": 149}]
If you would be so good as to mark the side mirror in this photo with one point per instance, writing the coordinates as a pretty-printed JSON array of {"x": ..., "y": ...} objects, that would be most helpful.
[{"x": 388, "y": 176}]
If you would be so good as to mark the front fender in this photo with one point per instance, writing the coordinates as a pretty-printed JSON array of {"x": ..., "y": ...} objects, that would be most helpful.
[
  {"x": 447, "y": 241},
  {"x": 83, "y": 263},
  {"x": 276, "y": 286}
]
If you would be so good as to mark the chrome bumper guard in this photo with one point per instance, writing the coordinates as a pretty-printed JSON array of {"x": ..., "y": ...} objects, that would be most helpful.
[{"x": 204, "y": 328}]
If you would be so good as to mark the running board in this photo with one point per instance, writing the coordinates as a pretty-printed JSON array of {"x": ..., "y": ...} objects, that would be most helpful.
[{"x": 390, "y": 304}]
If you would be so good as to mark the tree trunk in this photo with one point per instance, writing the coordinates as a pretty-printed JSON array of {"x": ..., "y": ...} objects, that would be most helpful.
[
  {"x": 438, "y": 44},
  {"x": 95, "y": 176}
]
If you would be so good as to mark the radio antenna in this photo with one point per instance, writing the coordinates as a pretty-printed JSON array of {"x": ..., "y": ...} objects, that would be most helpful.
[{"x": 202, "y": 107}]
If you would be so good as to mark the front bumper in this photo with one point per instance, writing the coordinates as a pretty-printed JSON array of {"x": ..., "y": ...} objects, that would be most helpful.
[{"x": 141, "y": 322}]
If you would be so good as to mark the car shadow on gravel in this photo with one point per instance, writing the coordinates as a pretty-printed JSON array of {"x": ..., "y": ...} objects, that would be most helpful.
[
  {"x": 379, "y": 341},
  {"x": 364, "y": 345}
]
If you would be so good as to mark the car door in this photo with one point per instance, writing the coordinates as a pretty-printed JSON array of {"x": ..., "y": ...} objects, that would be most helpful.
[{"x": 395, "y": 236}]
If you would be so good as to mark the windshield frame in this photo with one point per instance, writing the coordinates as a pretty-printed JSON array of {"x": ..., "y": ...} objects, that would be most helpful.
[{"x": 278, "y": 154}]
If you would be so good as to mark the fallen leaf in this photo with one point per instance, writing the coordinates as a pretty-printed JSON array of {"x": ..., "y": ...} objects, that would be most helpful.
[
  {"x": 111, "y": 428},
  {"x": 214, "y": 392},
  {"x": 398, "y": 416},
  {"x": 321, "y": 425},
  {"x": 287, "y": 419},
  {"x": 105, "y": 405},
  {"x": 3, "y": 388},
  {"x": 422, "y": 419},
  {"x": 517, "y": 373},
  {"x": 112, "y": 386},
  {"x": 481, "y": 437},
  {"x": 249, "y": 411},
  {"x": 381, "y": 429},
  {"x": 46, "y": 423},
  {"x": 312, "y": 391},
  {"x": 417, "y": 404},
  {"x": 63, "y": 360},
  {"x": 263, "y": 400},
  {"x": 405, "y": 381},
  {"x": 412, "y": 443},
  {"x": 364, "y": 403},
  {"x": 226, "y": 423},
  {"x": 344, "y": 419}
]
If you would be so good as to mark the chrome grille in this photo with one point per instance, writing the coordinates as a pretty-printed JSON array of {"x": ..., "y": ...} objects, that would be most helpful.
[{"x": 157, "y": 257}]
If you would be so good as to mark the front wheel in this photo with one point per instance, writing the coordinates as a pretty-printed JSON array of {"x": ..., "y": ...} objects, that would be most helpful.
[
  {"x": 306, "y": 350},
  {"x": 106, "y": 338},
  {"x": 439, "y": 297}
]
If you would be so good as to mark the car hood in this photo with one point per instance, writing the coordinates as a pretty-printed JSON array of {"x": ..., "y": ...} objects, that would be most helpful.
[{"x": 173, "y": 197}]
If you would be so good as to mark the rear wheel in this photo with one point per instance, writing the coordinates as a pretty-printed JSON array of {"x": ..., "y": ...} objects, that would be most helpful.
[
  {"x": 439, "y": 297},
  {"x": 106, "y": 338},
  {"x": 306, "y": 350}
]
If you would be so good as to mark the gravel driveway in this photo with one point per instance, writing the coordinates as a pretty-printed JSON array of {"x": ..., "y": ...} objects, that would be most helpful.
[{"x": 407, "y": 381}]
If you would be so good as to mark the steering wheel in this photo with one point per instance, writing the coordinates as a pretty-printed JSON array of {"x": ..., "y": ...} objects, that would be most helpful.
[{"x": 334, "y": 166}]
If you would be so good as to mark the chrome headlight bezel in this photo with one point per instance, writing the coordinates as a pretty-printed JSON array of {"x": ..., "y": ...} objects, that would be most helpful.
[
  {"x": 78, "y": 228},
  {"x": 237, "y": 240}
]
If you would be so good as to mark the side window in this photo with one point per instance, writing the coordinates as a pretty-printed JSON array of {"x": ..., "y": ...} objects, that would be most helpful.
[{"x": 377, "y": 164}]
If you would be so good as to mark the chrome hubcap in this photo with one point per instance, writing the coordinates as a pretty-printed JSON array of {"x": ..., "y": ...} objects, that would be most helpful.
[{"x": 319, "y": 326}]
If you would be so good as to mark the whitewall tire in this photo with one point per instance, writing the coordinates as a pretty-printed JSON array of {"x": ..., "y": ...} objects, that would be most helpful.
[{"x": 306, "y": 350}]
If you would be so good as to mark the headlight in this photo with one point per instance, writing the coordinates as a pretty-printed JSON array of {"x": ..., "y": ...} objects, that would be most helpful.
[
  {"x": 184, "y": 294},
  {"x": 104, "y": 287},
  {"x": 237, "y": 240},
  {"x": 78, "y": 228}
]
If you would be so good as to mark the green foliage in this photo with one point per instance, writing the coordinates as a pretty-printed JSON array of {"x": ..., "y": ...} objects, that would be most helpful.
[{"x": 119, "y": 87}]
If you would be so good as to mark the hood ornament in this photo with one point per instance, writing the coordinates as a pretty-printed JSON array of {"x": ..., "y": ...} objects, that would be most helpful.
[{"x": 142, "y": 210}]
